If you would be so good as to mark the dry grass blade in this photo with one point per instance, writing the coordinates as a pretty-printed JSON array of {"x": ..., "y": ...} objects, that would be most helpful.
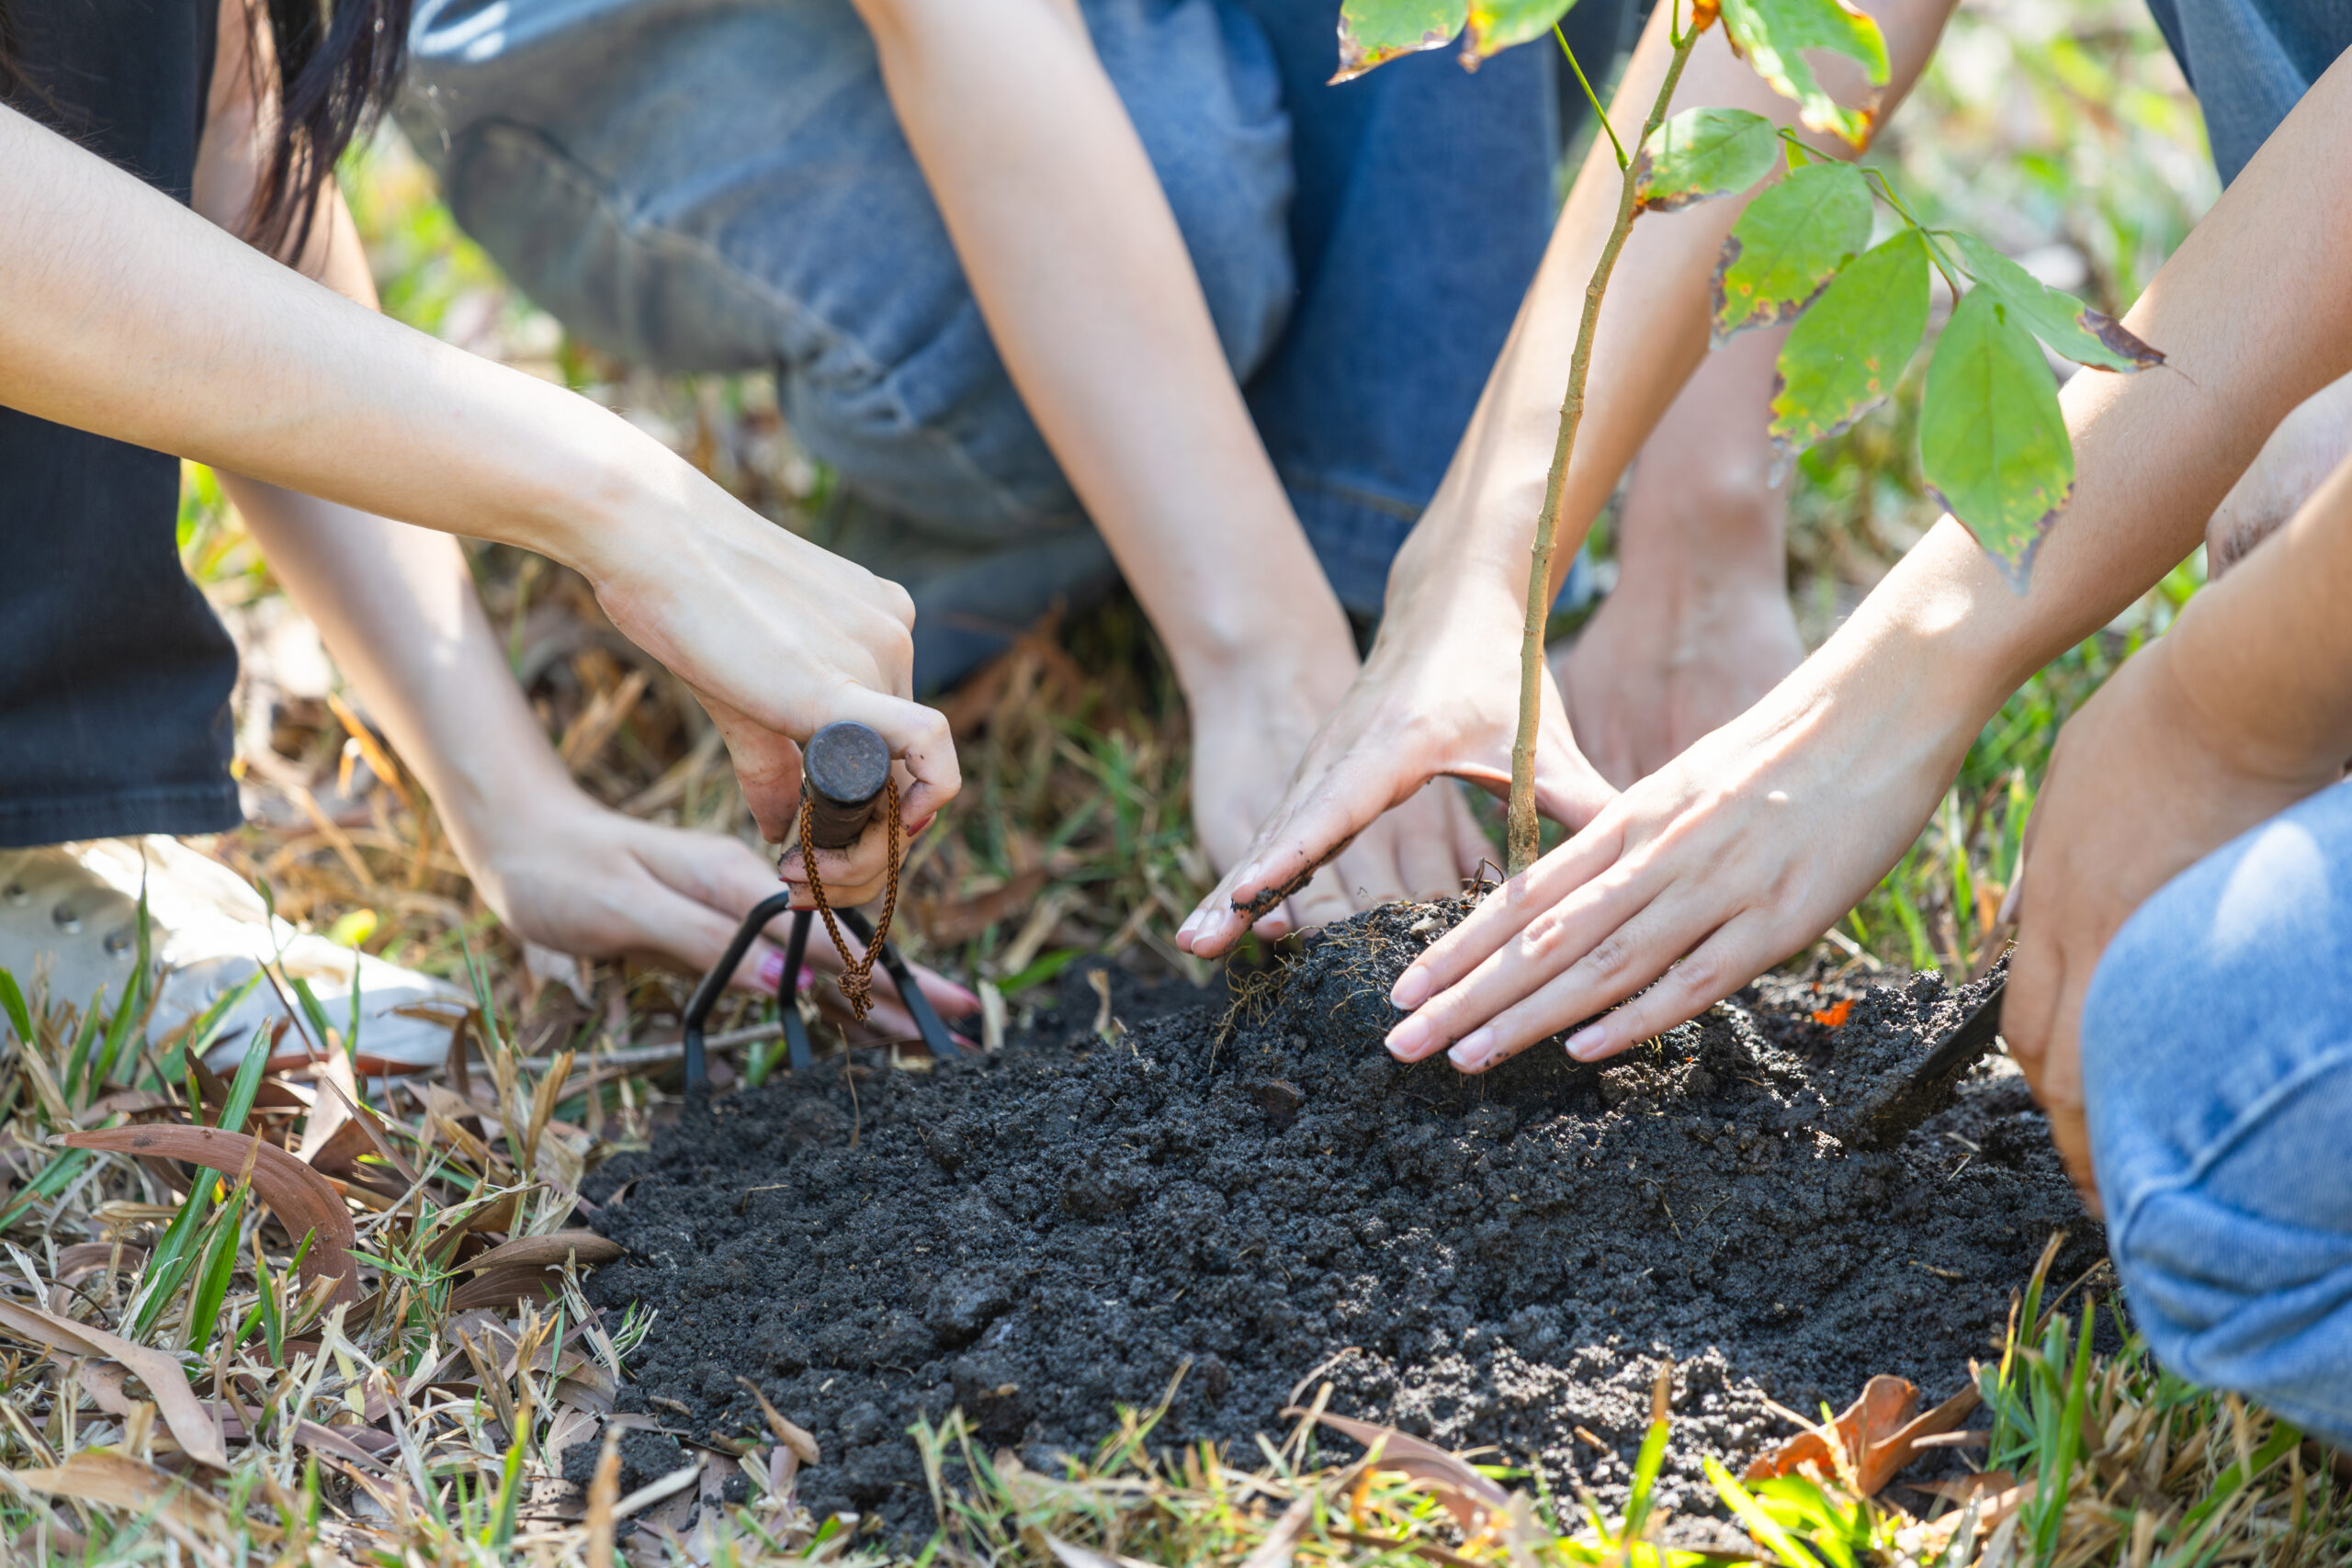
[
  {"x": 1282, "y": 1544},
  {"x": 652, "y": 1492},
  {"x": 1069, "y": 1555},
  {"x": 545, "y": 1252},
  {"x": 298, "y": 1196},
  {"x": 195, "y": 1430},
  {"x": 604, "y": 1491},
  {"x": 1467, "y": 1495}
]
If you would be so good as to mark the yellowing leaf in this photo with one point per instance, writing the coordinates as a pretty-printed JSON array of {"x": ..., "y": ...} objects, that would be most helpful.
[
  {"x": 1790, "y": 242},
  {"x": 1774, "y": 34},
  {"x": 1846, "y": 352},
  {"x": 1497, "y": 24},
  {"x": 1701, "y": 153},
  {"x": 2072, "y": 329},
  {"x": 1372, "y": 32},
  {"x": 1993, "y": 444}
]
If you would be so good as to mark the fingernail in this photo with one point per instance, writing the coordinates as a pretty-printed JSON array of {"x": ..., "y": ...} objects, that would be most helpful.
[
  {"x": 771, "y": 969},
  {"x": 1412, "y": 989},
  {"x": 1585, "y": 1043},
  {"x": 1409, "y": 1039},
  {"x": 967, "y": 999},
  {"x": 1185, "y": 932},
  {"x": 1470, "y": 1052}
]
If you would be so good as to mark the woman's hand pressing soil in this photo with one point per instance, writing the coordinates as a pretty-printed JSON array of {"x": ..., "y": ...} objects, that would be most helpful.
[
  {"x": 1424, "y": 707},
  {"x": 1703, "y": 876}
]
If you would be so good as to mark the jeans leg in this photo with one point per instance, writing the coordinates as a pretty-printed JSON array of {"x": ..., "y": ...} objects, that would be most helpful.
[
  {"x": 1426, "y": 196},
  {"x": 2217, "y": 1067},
  {"x": 715, "y": 185}
]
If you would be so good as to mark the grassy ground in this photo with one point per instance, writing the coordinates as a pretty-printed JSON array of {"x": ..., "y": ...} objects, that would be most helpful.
[{"x": 423, "y": 1422}]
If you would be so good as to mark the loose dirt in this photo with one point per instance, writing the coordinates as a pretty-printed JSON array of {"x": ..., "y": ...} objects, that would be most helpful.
[{"x": 1496, "y": 1261}]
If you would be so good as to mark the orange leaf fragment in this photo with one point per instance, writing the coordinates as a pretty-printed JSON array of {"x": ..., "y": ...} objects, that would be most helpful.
[
  {"x": 1834, "y": 1016},
  {"x": 1877, "y": 1431}
]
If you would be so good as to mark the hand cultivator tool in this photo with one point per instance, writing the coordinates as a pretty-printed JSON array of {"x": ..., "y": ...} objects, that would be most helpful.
[{"x": 845, "y": 776}]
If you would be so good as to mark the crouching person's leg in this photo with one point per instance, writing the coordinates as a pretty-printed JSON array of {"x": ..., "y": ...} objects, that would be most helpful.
[
  {"x": 2217, "y": 1066},
  {"x": 699, "y": 187}
]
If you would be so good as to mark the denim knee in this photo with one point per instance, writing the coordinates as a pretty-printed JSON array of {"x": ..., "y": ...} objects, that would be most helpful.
[
  {"x": 720, "y": 185},
  {"x": 2217, "y": 1068}
]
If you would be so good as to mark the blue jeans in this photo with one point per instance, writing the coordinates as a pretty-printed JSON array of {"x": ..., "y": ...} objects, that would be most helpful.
[
  {"x": 2249, "y": 62},
  {"x": 2217, "y": 1070},
  {"x": 721, "y": 185}
]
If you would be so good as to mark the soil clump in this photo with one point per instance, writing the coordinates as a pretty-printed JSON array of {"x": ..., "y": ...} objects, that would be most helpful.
[{"x": 1493, "y": 1260}]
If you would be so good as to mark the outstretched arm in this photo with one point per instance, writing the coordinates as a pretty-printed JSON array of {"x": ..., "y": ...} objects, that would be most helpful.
[
  {"x": 1762, "y": 835},
  {"x": 1076, "y": 260},
  {"x": 1440, "y": 694},
  {"x": 123, "y": 313}
]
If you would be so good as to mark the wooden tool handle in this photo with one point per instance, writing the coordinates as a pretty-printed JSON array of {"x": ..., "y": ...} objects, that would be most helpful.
[{"x": 844, "y": 768}]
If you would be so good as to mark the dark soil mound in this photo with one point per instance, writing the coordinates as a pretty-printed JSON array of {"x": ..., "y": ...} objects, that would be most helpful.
[{"x": 1492, "y": 1260}]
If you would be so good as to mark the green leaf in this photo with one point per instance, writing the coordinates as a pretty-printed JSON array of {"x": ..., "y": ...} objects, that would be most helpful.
[
  {"x": 1991, "y": 443},
  {"x": 2072, "y": 329},
  {"x": 1790, "y": 242},
  {"x": 1497, "y": 24},
  {"x": 1774, "y": 34},
  {"x": 1701, "y": 154},
  {"x": 48, "y": 1184},
  {"x": 12, "y": 1001},
  {"x": 168, "y": 1264},
  {"x": 247, "y": 1083},
  {"x": 1845, "y": 354},
  {"x": 1372, "y": 32},
  {"x": 213, "y": 1272}
]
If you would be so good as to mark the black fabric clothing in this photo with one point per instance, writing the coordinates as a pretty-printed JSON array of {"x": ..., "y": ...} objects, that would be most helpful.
[{"x": 115, "y": 674}]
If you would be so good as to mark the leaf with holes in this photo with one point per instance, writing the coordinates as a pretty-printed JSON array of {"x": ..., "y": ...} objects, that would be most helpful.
[
  {"x": 1372, "y": 32},
  {"x": 1789, "y": 245},
  {"x": 1845, "y": 354},
  {"x": 300, "y": 1197},
  {"x": 1702, "y": 154},
  {"x": 1992, "y": 445},
  {"x": 1497, "y": 25},
  {"x": 2072, "y": 329},
  {"x": 1774, "y": 34}
]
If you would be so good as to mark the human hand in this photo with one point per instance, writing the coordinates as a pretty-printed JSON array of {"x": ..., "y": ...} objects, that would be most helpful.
[
  {"x": 778, "y": 638},
  {"x": 582, "y": 878},
  {"x": 1423, "y": 707},
  {"x": 1248, "y": 736},
  {"x": 1742, "y": 849},
  {"x": 2140, "y": 788}
]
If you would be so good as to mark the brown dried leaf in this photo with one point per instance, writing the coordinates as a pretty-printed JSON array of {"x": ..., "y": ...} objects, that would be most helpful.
[
  {"x": 546, "y": 1251},
  {"x": 1877, "y": 1432},
  {"x": 797, "y": 1439},
  {"x": 118, "y": 1480},
  {"x": 302, "y": 1200},
  {"x": 1466, "y": 1494},
  {"x": 505, "y": 1286},
  {"x": 160, "y": 1372}
]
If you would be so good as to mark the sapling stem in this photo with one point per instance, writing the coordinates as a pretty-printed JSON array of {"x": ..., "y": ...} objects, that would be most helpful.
[{"x": 1521, "y": 841}]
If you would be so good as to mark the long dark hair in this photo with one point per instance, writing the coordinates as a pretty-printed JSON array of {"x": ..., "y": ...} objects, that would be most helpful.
[{"x": 338, "y": 61}]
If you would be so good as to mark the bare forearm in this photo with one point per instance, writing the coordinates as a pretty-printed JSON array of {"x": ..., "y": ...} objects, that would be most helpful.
[
  {"x": 101, "y": 273},
  {"x": 1082, "y": 275},
  {"x": 1651, "y": 334}
]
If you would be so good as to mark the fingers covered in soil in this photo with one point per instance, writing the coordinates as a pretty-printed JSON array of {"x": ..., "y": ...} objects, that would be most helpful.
[{"x": 1501, "y": 1260}]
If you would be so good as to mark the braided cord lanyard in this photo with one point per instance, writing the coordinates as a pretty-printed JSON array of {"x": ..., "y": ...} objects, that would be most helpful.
[{"x": 857, "y": 974}]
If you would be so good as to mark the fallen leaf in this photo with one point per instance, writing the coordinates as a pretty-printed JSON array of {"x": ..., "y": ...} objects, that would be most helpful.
[
  {"x": 545, "y": 1251},
  {"x": 797, "y": 1439},
  {"x": 1466, "y": 1494},
  {"x": 504, "y": 1287},
  {"x": 1835, "y": 1015},
  {"x": 118, "y": 1480},
  {"x": 1877, "y": 1433},
  {"x": 160, "y": 1372},
  {"x": 302, "y": 1199}
]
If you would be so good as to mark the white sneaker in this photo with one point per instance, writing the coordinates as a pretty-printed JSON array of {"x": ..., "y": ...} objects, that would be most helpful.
[{"x": 69, "y": 932}]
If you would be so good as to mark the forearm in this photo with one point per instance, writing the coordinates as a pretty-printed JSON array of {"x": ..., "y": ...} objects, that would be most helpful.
[
  {"x": 244, "y": 365},
  {"x": 1651, "y": 334},
  {"x": 1076, "y": 260}
]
